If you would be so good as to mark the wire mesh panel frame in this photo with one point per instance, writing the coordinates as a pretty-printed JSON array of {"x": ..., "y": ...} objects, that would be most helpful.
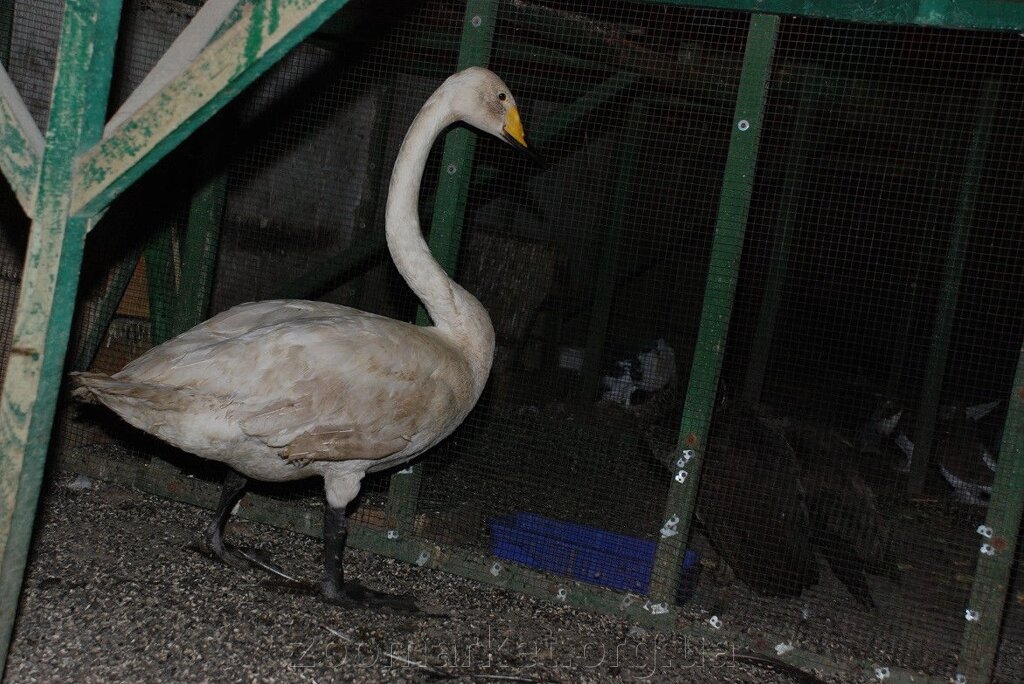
[{"x": 982, "y": 630}]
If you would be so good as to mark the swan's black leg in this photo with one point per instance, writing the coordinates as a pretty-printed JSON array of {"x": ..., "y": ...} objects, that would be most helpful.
[
  {"x": 351, "y": 594},
  {"x": 335, "y": 535},
  {"x": 231, "y": 491}
]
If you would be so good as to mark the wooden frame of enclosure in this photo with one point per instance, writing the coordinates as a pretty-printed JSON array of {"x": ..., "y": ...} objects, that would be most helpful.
[{"x": 65, "y": 181}]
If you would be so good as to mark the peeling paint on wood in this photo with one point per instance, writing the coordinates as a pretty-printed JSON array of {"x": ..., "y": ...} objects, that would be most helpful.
[
  {"x": 21, "y": 144},
  {"x": 231, "y": 62}
]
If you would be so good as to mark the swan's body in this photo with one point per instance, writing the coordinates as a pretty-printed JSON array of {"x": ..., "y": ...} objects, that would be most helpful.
[
  {"x": 288, "y": 389},
  {"x": 282, "y": 390}
]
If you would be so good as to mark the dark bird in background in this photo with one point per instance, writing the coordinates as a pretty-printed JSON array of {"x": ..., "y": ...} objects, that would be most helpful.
[
  {"x": 774, "y": 492},
  {"x": 752, "y": 504},
  {"x": 845, "y": 525},
  {"x": 965, "y": 447}
]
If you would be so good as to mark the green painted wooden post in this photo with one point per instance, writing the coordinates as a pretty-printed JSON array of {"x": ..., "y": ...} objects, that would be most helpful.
[
  {"x": 199, "y": 246},
  {"x": 96, "y": 322},
  {"x": 177, "y": 304},
  {"x": 21, "y": 143},
  {"x": 938, "y": 352},
  {"x": 446, "y": 226},
  {"x": 723, "y": 271},
  {"x": 49, "y": 282},
  {"x": 160, "y": 281},
  {"x": 789, "y": 209},
  {"x": 624, "y": 166},
  {"x": 997, "y": 547},
  {"x": 71, "y": 192}
]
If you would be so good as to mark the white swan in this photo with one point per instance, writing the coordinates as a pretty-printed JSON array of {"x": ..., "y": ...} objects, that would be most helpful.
[{"x": 283, "y": 390}]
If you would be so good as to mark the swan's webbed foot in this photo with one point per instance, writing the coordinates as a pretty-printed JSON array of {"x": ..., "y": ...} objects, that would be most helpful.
[
  {"x": 352, "y": 594},
  {"x": 231, "y": 491}
]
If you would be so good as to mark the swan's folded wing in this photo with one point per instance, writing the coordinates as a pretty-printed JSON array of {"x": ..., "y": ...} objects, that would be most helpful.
[
  {"x": 303, "y": 432},
  {"x": 235, "y": 338},
  {"x": 395, "y": 391}
]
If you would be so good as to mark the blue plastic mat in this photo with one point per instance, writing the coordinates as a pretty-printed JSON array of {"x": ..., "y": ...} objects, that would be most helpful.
[{"x": 587, "y": 554}]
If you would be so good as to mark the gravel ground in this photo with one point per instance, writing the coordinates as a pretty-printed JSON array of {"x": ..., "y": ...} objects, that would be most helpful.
[{"x": 116, "y": 592}]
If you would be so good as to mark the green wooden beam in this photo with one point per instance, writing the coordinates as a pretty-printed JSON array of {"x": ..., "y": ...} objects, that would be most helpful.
[
  {"x": 789, "y": 208},
  {"x": 266, "y": 30},
  {"x": 199, "y": 246},
  {"x": 723, "y": 272},
  {"x": 1007, "y": 15},
  {"x": 96, "y": 319},
  {"x": 21, "y": 144},
  {"x": 610, "y": 231},
  {"x": 208, "y": 22},
  {"x": 460, "y": 144},
  {"x": 956, "y": 253},
  {"x": 478, "y": 24},
  {"x": 997, "y": 546},
  {"x": 161, "y": 283},
  {"x": 49, "y": 282}
]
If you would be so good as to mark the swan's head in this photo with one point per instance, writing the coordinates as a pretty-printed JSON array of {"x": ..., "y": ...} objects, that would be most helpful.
[{"x": 481, "y": 99}]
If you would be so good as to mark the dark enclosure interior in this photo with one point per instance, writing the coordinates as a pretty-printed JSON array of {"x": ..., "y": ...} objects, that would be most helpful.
[{"x": 873, "y": 341}]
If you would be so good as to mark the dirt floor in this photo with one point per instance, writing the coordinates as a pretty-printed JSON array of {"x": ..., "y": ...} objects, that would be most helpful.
[{"x": 115, "y": 592}]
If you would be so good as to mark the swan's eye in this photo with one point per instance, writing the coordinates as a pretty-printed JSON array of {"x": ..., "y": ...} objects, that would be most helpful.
[{"x": 502, "y": 96}]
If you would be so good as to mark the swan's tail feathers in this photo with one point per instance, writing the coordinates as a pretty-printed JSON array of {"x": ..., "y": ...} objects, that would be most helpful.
[
  {"x": 82, "y": 386},
  {"x": 97, "y": 388}
]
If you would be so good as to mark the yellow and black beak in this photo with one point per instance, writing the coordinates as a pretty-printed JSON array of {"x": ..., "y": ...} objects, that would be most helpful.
[{"x": 514, "y": 135}]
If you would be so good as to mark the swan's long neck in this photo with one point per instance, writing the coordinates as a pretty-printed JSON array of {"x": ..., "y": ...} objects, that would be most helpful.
[{"x": 456, "y": 313}]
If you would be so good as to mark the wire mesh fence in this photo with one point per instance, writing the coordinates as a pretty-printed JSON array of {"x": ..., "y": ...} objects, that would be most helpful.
[{"x": 865, "y": 363}]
